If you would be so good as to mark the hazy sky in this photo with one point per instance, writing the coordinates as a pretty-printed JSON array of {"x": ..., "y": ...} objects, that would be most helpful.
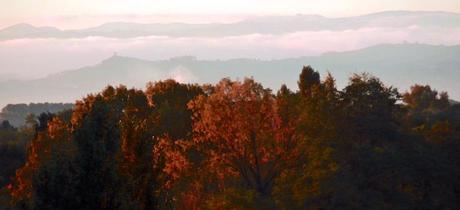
[
  {"x": 48, "y": 55},
  {"x": 46, "y": 11}
]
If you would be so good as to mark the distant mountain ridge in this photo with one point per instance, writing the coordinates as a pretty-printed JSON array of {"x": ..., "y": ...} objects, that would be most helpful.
[
  {"x": 258, "y": 25},
  {"x": 400, "y": 65}
]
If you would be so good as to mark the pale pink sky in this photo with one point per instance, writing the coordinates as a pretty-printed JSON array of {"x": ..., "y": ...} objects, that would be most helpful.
[{"x": 84, "y": 13}]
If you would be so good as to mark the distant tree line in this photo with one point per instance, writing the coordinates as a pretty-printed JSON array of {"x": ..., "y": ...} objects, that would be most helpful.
[
  {"x": 16, "y": 114},
  {"x": 238, "y": 145}
]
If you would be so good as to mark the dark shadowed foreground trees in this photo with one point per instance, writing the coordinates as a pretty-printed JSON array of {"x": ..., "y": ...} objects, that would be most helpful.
[{"x": 237, "y": 145}]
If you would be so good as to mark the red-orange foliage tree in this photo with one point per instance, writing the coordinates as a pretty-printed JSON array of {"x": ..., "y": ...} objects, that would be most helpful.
[
  {"x": 239, "y": 130},
  {"x": 47, "y": 161}
]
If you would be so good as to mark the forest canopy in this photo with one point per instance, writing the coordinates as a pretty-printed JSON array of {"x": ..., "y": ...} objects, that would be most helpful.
[{"x": 238, "y": 145}]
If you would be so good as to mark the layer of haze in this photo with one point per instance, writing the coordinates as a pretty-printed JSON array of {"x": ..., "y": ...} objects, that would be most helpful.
[
  {"x": 32, "y": 58},
  {"x": 35, "y": 58}
]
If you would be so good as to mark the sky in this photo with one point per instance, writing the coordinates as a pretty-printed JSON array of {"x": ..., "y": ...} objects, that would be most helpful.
[{"x": 75, "y": 12}]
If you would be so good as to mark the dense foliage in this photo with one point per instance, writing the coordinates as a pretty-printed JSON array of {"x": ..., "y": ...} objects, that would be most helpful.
[{"x": 237, "y": 145}]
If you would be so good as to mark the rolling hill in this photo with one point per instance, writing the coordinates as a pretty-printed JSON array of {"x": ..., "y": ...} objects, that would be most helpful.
[
  {"x": 400, "y": 65},
  {"x": 257, "y": 25}
]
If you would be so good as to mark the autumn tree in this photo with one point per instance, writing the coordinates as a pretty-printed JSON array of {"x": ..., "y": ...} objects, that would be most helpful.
[
  {"x": 422, "y": 98},
  {"x": 316, "y": 119},
  {"x": 432, "y": 118},
  {"x": 169, "y": 100},
  {"x": 426, "y": 113},
  {"x": 173, "y": 128},
  {"x": 44, "y": 181},
  {"x": 238, "y": 127},
  {"x": 287, "y": 105},
  {"x": 370, "y": 108},
  {"x": 309, "y": 78}
]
